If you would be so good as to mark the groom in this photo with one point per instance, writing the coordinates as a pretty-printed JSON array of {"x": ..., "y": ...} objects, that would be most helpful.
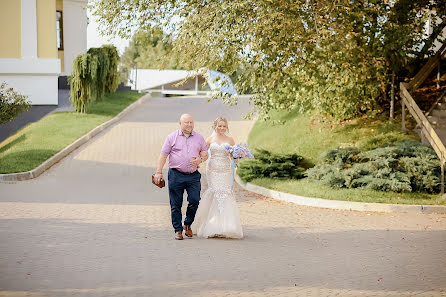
[{"x": 186, "y": 150}]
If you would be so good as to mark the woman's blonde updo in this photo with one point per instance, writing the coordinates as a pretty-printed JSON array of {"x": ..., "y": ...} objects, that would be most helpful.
[{"x": 220, "y": 119}]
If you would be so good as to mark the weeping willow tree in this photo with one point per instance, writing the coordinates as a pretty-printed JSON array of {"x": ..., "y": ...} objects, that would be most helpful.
[
  {"x": 111, "y": 82},
  {"x": 94, "y": 73},
  {"x": 83, "y": 81},
  {"x": 101, "y": 72}
]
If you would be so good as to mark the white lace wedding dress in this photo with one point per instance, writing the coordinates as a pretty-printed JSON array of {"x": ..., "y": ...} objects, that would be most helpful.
[{"x": 217, "y": 214}]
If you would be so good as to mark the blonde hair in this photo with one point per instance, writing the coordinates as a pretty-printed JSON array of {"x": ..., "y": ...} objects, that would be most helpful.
[{"x": 220, "y": 119}]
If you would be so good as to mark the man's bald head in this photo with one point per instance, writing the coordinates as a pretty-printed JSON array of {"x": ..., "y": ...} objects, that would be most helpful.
[
  {"x": 186, "y": 124},
  {"x": 186, "y": 116}
]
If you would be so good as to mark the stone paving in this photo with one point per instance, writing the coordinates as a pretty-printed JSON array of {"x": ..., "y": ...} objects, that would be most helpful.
[{"x": 93, "y": 225}]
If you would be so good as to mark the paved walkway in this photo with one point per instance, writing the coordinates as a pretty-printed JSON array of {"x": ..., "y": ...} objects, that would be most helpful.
[{"x": 93, "y": 225}]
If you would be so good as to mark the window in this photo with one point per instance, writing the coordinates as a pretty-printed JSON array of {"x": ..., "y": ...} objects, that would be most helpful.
[{"x": 59, "y": 30}]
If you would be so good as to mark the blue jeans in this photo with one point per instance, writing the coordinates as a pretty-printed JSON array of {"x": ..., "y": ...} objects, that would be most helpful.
[{"x": 178, "y": 182}]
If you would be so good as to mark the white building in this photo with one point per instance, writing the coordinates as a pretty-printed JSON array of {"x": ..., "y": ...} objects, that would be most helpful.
[{"x": 181, "y": 82}]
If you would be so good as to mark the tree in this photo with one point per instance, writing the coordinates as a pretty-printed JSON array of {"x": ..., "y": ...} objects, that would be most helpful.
[
  {"x": 331, "y": 56},
  {"x": 148, "y": 49},
  {"x": 94, "y": 74}
]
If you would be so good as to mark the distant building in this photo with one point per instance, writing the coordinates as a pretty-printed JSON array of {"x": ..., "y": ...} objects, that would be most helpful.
[
  {"x": 39, "y": 39},
  {"x": 181, "y": 82}
]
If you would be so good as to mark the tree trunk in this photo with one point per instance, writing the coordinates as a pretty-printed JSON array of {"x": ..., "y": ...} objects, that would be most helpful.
[{"x": 392, "y": 98}]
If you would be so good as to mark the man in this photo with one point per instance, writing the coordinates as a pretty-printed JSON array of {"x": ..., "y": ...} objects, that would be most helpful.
[{"x": 186, "y": 150}]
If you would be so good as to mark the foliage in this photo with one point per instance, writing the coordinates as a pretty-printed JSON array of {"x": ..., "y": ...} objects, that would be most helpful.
[
  {"x": 267, "y": 164},
  {"x": 148, "y": 49},
  {"x": 11, "y": 104},
  {"x": 83, "y": 81},
  {"x": 101, "y": 58},
  {"x": 93, "y": 74},
  {"x": 331, "y": 56},
  {"x": 111, "y": 81},
  {"x": 302, "y": 134},
  {"x": 405, "y": 167}
]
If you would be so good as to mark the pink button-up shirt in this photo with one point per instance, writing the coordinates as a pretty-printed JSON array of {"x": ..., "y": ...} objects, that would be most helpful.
[{"x": 182, "y": 149}]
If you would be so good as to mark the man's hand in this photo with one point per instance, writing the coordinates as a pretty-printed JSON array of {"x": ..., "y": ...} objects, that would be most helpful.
[
  {"x": 196, "y": 161},
  {"x": 158, "y": 177}
]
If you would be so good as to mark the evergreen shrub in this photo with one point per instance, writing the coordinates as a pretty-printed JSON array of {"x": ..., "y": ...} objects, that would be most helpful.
[
  {"x": 268, "y": 164},
  {"x": 408, "y": 166}
]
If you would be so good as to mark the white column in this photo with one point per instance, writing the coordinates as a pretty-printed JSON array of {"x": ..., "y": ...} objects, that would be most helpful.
[
  {"x": 29, "y": 29},
  {"x": 74, "y": 31}
]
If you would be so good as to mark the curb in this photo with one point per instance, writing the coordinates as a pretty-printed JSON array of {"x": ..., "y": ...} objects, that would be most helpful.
[
  {"x": 338, "y": 204},
  {"x": 19, "y": 176}
]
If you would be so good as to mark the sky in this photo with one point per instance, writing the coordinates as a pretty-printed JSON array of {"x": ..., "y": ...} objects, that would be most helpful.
[{"x": 94, "y": 39}]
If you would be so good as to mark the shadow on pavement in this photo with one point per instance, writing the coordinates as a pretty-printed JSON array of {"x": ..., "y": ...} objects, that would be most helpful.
[{"x": 72, "y": 257}]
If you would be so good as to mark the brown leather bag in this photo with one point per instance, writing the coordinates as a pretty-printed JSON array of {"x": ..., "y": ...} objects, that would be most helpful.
[{"x": 161, "y": 184}]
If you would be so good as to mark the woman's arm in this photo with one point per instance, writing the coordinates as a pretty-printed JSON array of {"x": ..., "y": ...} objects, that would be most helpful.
[
  {"x": 209, "y": 141},
  {"x": 231, "y": 141}
]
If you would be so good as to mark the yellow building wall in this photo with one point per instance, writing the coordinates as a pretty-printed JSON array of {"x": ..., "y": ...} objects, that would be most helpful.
[
  {"x": 46, "y": 29},
  {"x": 61, "y": 57},
  {"x": 60, "y": 53},
  {"x": 10, "y": 29}
]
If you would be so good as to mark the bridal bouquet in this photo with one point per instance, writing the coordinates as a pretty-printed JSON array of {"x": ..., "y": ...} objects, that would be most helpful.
[{"x": 239, "y": 151}]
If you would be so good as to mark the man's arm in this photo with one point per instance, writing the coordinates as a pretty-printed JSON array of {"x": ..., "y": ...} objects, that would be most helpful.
[
  {"x": 203, "y": 154},
  {"x": 205, "y": 146},
  {"x": 159, "y": 169}
]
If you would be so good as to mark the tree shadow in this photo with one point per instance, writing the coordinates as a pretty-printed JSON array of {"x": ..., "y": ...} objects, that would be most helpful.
[
  {"x": 19, "y": 139},
  {"x": 68, "y": 257},
  {"x": 24, "y": 160}
]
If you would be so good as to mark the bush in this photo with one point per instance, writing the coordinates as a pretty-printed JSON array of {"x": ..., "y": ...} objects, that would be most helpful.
[
  {"x": 11, "y": 104},
  {"x": 101, "y": 71},
  {"x": 268, "y": 164},
  {"x": 82, "y": 81},
  {"x": 408, "y": 166},
  {"x": 111, "y": 81},
  {"x": 94, "y": 73}
]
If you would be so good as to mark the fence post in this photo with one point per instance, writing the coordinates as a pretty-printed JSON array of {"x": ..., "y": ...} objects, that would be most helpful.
[
  {"x": 403, "y": 117},
  {"x": 442, "y": 178},
  {"x": 392, "y": 97}
]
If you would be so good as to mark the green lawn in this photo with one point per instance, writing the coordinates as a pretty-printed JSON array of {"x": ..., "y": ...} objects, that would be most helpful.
[
  {"x": 32, "y": 145},
  {"x": 295, "y": 133}
]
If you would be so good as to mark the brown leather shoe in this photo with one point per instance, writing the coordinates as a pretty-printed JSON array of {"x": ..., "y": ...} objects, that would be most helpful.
[
  {"x": 188, "y": 231},
  {"x": 179, "y": 235}
]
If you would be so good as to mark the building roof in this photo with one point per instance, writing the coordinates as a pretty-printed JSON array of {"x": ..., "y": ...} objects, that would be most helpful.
[{"x": 150, "y": 79}]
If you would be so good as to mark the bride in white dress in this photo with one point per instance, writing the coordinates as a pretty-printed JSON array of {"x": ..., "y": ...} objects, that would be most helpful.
[{"x": 217, "y": 214}]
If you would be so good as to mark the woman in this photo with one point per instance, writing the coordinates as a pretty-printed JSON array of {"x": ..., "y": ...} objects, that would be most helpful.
[{"x": 217, "y": 214}]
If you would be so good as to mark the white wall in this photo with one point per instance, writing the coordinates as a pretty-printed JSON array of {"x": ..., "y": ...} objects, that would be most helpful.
[{"x": 74, "y": 31}]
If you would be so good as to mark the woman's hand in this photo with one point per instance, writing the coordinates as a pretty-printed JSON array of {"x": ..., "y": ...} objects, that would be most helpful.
[{"x": 196, "y": 161}]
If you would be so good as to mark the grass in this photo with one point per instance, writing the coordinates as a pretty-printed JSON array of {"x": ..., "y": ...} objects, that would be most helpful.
[
  {"x": 35, "y": 143},
  {"x": 309, "y": 138}
]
